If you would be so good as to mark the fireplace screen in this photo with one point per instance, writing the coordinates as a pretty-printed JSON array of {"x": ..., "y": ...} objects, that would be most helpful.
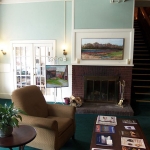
[{"x": 101, "y": 89}]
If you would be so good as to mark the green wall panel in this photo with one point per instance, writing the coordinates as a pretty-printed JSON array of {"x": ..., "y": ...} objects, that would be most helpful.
[{"x": 101, "y": 14}]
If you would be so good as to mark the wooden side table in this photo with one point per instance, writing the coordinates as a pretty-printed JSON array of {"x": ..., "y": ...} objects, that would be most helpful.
[{"x": 20, "y": 137}]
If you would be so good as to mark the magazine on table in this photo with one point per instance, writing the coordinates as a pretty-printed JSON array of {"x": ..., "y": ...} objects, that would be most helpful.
[
  {"x": 129, "y": 133},
  {"x": 104, "y": 128},
  {"x": 129, "y": 127},
  {"x": 131, "y": 148},
  {"x": 104, "y": 140},
  {"x": 132, "y": 142},
  {"x": 106, "y": 120},
  {"x": 129, "y": 121}
]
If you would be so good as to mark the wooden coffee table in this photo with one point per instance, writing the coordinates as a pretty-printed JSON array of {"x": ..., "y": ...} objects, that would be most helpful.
[
  {"x": 20, "y": 137},
  {"x": 116, "y": 137}
]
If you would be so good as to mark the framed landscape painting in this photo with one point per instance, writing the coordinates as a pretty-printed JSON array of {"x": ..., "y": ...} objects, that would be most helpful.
[{"x": 102, "y": 48}]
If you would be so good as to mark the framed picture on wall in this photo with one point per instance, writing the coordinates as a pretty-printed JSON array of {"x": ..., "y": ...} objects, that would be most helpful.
[{"x": 102, "y": 48}]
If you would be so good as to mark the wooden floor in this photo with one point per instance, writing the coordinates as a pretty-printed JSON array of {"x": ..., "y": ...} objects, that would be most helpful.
[{"x": 105, "y": 108}]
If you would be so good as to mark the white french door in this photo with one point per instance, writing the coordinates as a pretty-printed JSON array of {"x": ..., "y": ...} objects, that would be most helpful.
[{"x": 29, "y": 62}]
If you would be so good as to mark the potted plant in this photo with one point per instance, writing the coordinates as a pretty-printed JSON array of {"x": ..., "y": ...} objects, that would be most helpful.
[
  {"x": 67, "y": 100},
  {"x": 9, "y": 118}
]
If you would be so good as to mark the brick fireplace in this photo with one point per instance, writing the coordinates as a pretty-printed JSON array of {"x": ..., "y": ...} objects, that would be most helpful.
[{"x": 79, "y": 72}]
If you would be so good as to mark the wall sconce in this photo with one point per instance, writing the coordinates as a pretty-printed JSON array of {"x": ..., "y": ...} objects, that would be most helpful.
[
  {"x": 4, "y": 53},
  {"x": 64, "y": 53}
]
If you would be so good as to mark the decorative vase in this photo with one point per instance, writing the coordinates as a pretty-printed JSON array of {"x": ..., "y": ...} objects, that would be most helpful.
[
  {"x": 67, "y": 100},
  {"x": 7, "y": 131}
]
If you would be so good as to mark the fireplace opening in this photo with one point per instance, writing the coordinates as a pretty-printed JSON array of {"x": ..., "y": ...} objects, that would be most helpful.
[{"x": 102, "y": 89}]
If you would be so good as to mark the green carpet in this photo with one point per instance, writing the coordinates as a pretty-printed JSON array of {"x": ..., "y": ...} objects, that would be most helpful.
[{"x": 84, "y": 128}]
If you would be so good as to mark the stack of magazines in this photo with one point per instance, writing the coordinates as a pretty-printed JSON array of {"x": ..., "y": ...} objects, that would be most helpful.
[{"x": 106, "y": 120}]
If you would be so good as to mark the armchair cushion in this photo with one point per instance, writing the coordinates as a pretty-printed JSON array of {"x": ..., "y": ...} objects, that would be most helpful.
[
  {"x": 40, "y": 122},
  {"x": 63, "y": 123},
  {"x": 31, "y": 101},
  {"x": 61, "y": 111}
]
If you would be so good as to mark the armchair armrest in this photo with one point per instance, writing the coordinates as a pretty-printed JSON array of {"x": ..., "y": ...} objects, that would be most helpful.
[
  {"x": 46, "y": 123},
  {"x": 61, "y": 110}
]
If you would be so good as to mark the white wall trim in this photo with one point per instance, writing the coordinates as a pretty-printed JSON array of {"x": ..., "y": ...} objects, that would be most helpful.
[
  {"x": 27, "y": 1},
  {"x": 5, "y": 95},
  {"x": 133, "y": 14},
  {"x": 73, "y": 9}
]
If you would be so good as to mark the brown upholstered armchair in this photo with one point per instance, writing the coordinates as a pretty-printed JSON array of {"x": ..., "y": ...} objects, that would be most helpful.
[{"x": 54, "y": 123}]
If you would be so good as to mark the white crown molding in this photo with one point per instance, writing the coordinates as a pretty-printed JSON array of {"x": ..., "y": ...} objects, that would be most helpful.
[{"x": 27, "y": 1}]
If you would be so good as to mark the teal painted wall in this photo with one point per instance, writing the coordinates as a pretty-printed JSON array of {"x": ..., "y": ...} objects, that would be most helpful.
[
  {"x": 101, "y": 14},
  {"x": 36, "y": 21},
  {"x": 32, "y": 20},
  {"x": 45, "y": 20}
]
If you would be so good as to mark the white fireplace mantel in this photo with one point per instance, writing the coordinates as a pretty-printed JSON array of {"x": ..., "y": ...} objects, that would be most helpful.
[{"x": 127, "y": 34}]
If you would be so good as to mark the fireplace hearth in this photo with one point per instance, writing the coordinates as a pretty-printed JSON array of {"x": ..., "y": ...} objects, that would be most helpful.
[
  {"x": 105, "y": 109},
  {"x": 103, "y": 89}
]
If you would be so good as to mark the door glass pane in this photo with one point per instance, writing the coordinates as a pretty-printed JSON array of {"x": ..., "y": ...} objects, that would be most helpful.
[
  {"x": 43, "y": 71},
  {"x": 28, "y": 52},
  {"x": 37, "y": 51},
  {"x": 23, "y": 80},
  {"x": 28, "y": 79},
  {"x": 17, "y": 51},
  {"x": 17, "y": 60},
  {"x": 42, "y": 61},
  {"x": 38, "y": 70},
  {"x": 43, "y": 51},
  {"x": 28, "y": 70},
  {"x": 18, "y": 79},
  {"x": 22, "y": 52},
  {"x": 37, "y": 61},
  {"x": 22, "y": 59}
]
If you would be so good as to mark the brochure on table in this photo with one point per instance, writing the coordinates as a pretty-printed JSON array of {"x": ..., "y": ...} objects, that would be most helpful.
[
  {"x": 104, "y": 140},
  {"x": 104, "y": 128},
  {"x": 129, "y": 134},
  {"x": 132, "y": 142},
  {"x": 106, "y": 120}
]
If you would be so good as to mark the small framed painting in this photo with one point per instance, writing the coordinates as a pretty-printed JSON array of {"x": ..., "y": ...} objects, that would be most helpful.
[{"x": 102, "y": 48}]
